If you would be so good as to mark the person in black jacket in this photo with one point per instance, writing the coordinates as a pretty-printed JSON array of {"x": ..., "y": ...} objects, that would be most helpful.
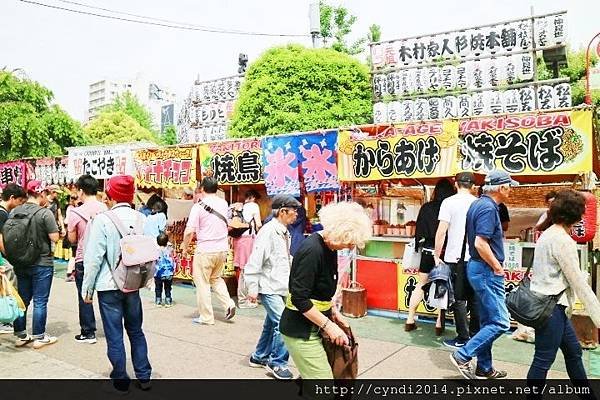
[
  {"x": 309, "y": 313},
  {"x": 427, "y": 224}
]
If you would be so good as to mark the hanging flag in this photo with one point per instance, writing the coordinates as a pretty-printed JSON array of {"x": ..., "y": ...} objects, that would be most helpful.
[
  {"x": 317, "y": 157},
  {"x": 281, "y": 165}
]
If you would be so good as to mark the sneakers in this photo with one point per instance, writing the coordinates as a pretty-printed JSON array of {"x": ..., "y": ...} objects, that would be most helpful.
[
  {"x": 454, "y": 343},
  {"x": 255, "y": 363},
  {"x": 91, "y": 339},
  {"x": 6, "y": 328},
  {"x": 464, "y": 368},
  {"x": 23, "y": 340},
  {"x": 247, "y": 305},
  {"x": 168, "y": 302},
  {"x": 45, "y": 341},
  {"x": 200, "y": 322},
  {"x": 143, "y": 385},
  {"x": 282, "y": 373},
  {"x": 493, "y": 374},
  {"x": 230, "y": 313},
  {"x": 158, "y": 302}
]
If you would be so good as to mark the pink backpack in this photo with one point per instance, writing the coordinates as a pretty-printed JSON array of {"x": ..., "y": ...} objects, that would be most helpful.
[{"x": 139, "y": 255}]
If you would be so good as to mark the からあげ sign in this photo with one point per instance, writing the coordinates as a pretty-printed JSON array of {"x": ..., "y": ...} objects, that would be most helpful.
[
  {"x": 408, "y": 151},
  {"x": 557, "y": 143},
  {"x": 166, "y": 168},
  {"x": 235, "y": 162}
]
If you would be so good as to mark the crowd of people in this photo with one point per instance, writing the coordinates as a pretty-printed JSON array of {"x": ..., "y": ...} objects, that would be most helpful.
[{"x": 293, "y": 277}]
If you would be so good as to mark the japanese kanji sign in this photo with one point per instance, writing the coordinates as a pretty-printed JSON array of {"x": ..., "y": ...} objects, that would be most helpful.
[
  {"x": 51, "y": 171},
  {"x": 557, "y": 143},
  {"x": 13, "y": 172},
  {"x": 166, "y": 167},
  {"x": 102, "y": 162},
  {"x": 407, "y": 151},
  {"x": 317, "y": 156},
  {"x": 281, "y": 165},
  {"x": 234, "y": 162}
]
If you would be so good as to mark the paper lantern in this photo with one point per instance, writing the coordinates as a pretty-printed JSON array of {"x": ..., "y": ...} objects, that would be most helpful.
[
  {"x": 449, "y": 107},
  {"x": 510, "y": 100},
  {"x": 448, "y": 77},
  {"x": 434, "y": 75},
  {"x": 408, "y": 110},
  {"x": 462, "y": 80},
  {"x": 494, "y": 100},
  {"x": 585, "y": 230},
  {"x": 434, "y": 108},
  {"x": 562, "y": 96},
  {"x": 542, "y": 38},
  {"x": 394, "y": 112},
  {"x": 558, "y": 28},
  {"x": 379, "y": 113},
  {"x": 462, "y": 43},
  {"x": 546, "y": 97},
  {"x": 464, "y": 106},
  {"x": 479, "y": 104},
  {"x": 421, "y": 84},
  {"x": 476, "y": 75},
  {"x": 524, "y": 64},
  {"x": 524, "y": 34},
  {"x": 527, "y": 99},
  {"x": 421, "y": 109}
]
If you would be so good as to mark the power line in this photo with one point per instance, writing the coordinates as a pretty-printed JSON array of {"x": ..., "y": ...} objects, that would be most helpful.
[
  {"x": 164, "y": 25},
  {"x": 148, "y": 18}
]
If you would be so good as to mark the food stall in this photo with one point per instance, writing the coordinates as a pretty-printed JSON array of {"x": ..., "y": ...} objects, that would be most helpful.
[
  {"x": 393, "y": 168},
  {"x": 168, "y": 171}
]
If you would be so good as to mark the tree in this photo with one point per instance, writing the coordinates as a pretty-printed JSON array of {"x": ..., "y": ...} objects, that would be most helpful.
[
  {"x": 112, "y": 127},
  {"x": 169, "y": 137},
  {"x": 30, "y": 125},
  {"x": 130, "y": 105},
  {"x": 336, "y": 25},
  {"x": 293, "y": 88}
]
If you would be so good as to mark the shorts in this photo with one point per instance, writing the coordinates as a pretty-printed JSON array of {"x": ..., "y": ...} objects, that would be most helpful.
[{"x": 427, "y": 261}]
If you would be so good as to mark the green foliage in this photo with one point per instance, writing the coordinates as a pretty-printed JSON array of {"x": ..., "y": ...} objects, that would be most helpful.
[
  {"x": 374, "y": 34},
  {"x": 30, "y": 126},
  {"x": 293, "y": 88},
  {"x": 130, "y": 105},
  {"x": 112, "y": 127},
  {"x": 169, "y": 137},
  {"x": 336, "y": 25}
]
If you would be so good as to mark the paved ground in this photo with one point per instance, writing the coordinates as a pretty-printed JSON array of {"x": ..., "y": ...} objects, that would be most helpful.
[{"x": 180, "y": 349}]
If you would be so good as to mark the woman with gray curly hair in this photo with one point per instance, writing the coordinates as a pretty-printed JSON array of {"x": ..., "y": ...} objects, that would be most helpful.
[{"x": 309, "y": 314}]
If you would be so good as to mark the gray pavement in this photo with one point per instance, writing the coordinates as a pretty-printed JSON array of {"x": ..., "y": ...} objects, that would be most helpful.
[{"x": 180, "y": 349}]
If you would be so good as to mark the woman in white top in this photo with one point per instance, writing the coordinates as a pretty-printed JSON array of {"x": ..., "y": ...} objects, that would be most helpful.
[
  {"x": 556, "y": 270},
  {"x": 242, "y": 246}
]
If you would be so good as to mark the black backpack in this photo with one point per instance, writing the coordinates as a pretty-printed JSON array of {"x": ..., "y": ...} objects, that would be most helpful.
[{"x": 19, "y": 236}]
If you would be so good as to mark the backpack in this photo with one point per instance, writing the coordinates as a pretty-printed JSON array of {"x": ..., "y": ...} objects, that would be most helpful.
[
  {"x": 237, "y": 224},
  {"x": 137, "y": 262},
  {"x": 165, "y": 266},
  {"x": 19, "y": 237},
  {"x": 88, "y": 226}
]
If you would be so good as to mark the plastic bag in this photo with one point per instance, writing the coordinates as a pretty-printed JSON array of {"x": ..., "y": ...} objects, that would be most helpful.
[{"x": 11, "y": 304}]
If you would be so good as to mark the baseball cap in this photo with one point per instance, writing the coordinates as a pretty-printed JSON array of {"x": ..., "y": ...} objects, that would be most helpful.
[
  {"x": 498, "y": 177},
  {"x": 34, "y": 187},
  {"x": 466, "y": 177},
  {"x": 285, "y": 201}
]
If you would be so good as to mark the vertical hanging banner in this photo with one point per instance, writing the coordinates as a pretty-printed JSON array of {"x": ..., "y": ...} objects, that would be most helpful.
[
  {"x": 13, "y": 172},
  {"x": 281, "y": 165},
  {"x": 556, "y": 143},
  {"x": 317, "y": 155},
  {"x": 414, "y": 150},
  {"x": 234, "y": 162},
  {"x": 166, "y": 167}
]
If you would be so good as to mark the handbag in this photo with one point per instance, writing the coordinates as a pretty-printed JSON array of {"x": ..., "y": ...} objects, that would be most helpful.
[
  {"x": 528, "y": 307},
  {"x": 462, "y": 288},
  {"x": 411, "y": 258},
  {"x": 342, "y": 359},
  {"x": 11, "y": 305}
]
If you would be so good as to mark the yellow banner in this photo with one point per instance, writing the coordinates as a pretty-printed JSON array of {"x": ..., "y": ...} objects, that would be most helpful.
[
  {"x": 537, "y": 144},
  {"x": 166, "y": 168},
  {"x": 414, "y": 150}
]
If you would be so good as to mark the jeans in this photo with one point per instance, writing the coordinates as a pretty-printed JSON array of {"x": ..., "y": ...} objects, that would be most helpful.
[
  {"x": 466, "y": 314},
  {"x": 493, "y": 314},
  {"x": 117, "y": 307},
  {"x": 87, "y": 319},
  {"x": 557, "y": 333},
  {"x": 270, "y": 347},
  {"x": 159, "y": 283},
  {"x": 34, "y": 283}
]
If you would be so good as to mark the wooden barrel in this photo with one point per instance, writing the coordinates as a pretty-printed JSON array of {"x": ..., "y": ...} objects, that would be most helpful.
[{"x": 354, "y": 300}]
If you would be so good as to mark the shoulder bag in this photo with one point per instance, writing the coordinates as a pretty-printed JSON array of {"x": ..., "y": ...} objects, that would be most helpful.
[{"x": 528, "y": 307}]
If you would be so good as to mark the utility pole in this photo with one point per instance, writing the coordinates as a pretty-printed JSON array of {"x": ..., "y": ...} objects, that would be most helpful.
[{"x": 314, "y": 16}]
